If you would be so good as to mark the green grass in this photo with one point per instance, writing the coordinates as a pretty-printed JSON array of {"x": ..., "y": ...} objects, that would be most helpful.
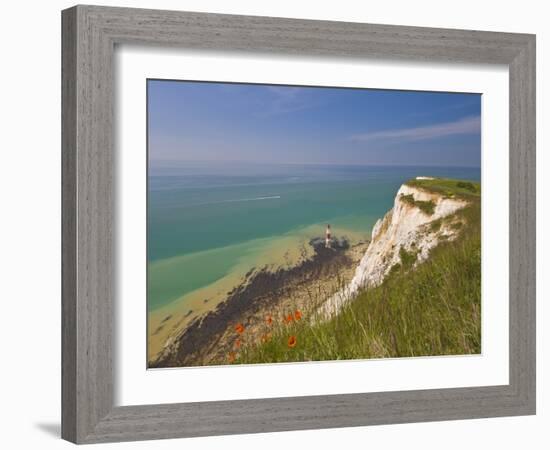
[
  {"x": 408, "y": 258},
  {"x": 435, "y": 225},
  {"x": 427, "y": 207},
  {"x": 449, "y": 187},
  {"x": 431, "y": 309}
]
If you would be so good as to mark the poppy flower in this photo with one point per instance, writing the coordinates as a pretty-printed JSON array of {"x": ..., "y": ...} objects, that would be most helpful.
[
  {"x": 239, "y": 328},
  {"x": 297, "y": 315},
  {"x": 292, "y": 341},
  {"x": 289, "y": 318},
  {"x": 269, "y": 320},
  {"x": 238, "y": 343},
  {"x": 231, "y": 357}
]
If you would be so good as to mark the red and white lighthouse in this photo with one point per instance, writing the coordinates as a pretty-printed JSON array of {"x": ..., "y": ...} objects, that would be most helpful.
[{"x": 328, "y": 239}]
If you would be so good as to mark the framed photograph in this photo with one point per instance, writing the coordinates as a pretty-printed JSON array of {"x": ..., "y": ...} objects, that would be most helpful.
[{"x": 278, "y": 224}]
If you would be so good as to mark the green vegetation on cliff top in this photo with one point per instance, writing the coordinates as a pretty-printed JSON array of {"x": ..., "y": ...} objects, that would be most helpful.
[{"x": 448, "y": 187}]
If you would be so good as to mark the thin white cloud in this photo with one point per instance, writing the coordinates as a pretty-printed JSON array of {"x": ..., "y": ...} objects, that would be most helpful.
[
  {"x": 471, "y": 101},
  {"x": 467, "y": 125},
  {"x": 284, "y": 91},
  {"x": 286, "y": 99}
]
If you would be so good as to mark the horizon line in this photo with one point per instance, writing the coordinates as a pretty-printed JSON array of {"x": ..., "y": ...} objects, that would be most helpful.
[{"x": 307, "y": 163}]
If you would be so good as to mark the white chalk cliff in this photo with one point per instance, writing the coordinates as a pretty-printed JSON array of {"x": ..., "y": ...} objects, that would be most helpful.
[{"x": 405, "y": 226}]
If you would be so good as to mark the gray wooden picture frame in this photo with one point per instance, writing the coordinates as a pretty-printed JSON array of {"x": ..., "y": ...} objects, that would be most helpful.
[{"x": 90, "y": 34}]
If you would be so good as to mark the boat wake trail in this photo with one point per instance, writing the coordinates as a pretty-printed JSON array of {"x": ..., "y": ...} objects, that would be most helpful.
[
  {"x": 237, "y": 200},
  {"x": 271, "y": 197}
]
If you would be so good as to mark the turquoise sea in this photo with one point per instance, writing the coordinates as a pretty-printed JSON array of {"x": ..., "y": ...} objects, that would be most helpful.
[{"x": 207, "y": 221}]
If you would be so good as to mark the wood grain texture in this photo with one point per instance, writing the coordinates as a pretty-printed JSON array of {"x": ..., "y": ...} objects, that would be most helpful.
[
  {"x": 68, "y": 225},
  {"x": 523, "y": 224},
  {"x": 89, "y": 36}
]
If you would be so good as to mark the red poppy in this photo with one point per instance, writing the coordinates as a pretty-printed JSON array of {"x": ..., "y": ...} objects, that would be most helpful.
[
  {"x": 238, "y": 343},
  {"x": 269, "y": 320},
  {"x": 239, "y": 328},
  {"x": 292, "y": 341},
  {"x": 289, "y": 318},
  {"x": 297, "y": 314}
]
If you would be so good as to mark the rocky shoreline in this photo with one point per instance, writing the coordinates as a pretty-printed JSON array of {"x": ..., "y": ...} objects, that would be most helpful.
[{"x": 209, "y": 339}]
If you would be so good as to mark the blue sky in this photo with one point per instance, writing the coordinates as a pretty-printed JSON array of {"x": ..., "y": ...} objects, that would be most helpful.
[{"x": 194, "y": 121}]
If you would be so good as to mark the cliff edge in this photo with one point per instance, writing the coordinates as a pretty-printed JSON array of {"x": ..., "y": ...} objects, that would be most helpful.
[{"x": 423, "y": 214}]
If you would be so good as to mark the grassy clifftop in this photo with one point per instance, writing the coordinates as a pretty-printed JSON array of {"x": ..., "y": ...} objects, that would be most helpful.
[
  {"x": 432, "y": 308},
  {"x": 448, "y": 187}
]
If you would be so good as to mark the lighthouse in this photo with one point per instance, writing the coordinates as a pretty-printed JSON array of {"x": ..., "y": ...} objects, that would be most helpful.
[{"x": 328, "y": 239}]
